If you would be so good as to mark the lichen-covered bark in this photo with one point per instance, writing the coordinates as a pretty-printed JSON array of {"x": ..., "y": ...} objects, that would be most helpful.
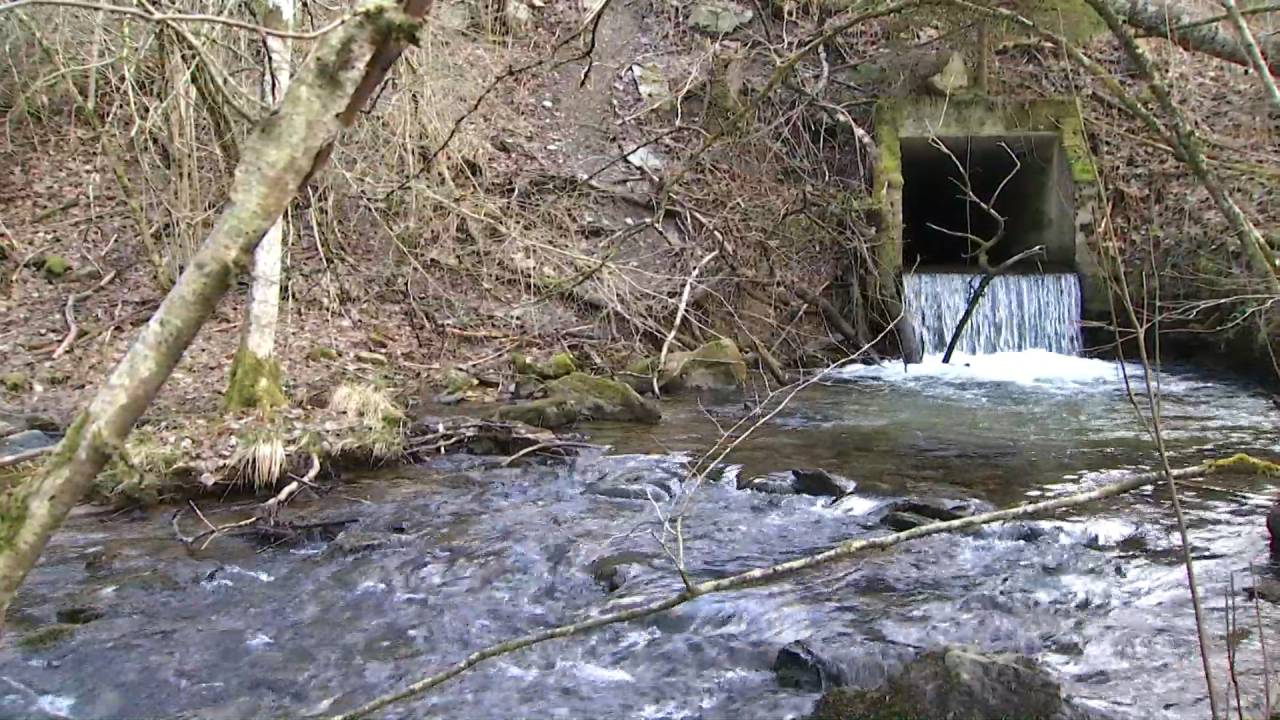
[
  {"x": 277, "y": 158},
  {"x": 255, "y": 373},
  {"x": 1160, "y": 18}
]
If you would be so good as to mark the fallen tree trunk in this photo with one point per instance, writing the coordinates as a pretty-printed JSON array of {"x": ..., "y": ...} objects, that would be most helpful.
[
  {"x": 1167, "y": 20},
  {"x": 1127, "y": 482},
  {"x": 281, "y": 154},
  {"x": 1261, "y": 256}
]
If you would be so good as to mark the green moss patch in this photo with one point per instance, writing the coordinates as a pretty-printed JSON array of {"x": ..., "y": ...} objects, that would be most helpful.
[
  {"x": 47, "y": 636},
  {"x": 255, "y": 383}
]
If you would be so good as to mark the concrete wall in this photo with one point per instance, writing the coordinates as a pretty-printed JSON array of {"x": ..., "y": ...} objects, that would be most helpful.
[{"x": 1055, "y": 193}]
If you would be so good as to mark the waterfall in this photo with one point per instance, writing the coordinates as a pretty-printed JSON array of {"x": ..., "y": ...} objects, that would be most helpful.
[{"x": 1017, "y": 312}]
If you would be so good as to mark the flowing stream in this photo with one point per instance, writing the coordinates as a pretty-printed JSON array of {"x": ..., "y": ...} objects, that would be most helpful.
[{"x": 465, "y": 553}]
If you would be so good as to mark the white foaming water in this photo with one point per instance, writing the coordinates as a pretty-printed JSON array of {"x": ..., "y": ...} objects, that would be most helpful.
[
  {"x": 1037, "y": 368},
  {"x": 1017, "y": 312}
]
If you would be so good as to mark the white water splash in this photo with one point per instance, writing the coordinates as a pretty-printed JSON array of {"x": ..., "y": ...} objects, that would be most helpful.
[
  {"x": 1017, "y": 312},
  {"x": 259, "y": 640},
  {"x": 56, "y": 705},
  {"x": 596, "y": 673},
  {"x": 1027, "y": 367}
]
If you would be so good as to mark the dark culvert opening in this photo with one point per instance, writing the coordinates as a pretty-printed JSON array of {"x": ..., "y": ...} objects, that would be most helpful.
[{"x": 1037, "y": 200}]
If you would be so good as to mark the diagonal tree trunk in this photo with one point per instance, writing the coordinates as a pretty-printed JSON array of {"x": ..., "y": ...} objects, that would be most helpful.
[
  {"x": 282, "y": 153},
  {"x": 255, "y": 371}
]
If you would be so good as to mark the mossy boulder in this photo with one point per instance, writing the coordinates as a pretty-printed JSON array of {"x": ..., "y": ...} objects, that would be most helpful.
[
  {"x": 15, "y": 382},
  {"x": 718, "y": 365},
  {"x": 952, "y": 78},
  {"x": 578, "y": 396},
  {"x": 544, "y": 413},
  {"x": 54, "y": 266},
  {"x": 604, "y": 399},
  {"x": 955, "y": 683},
  {"x": 718, "y": 17},
  {"x": 459, "y": 381},
  {"x": 557, "y": 366},
  {"x": 322, "y": 353}
]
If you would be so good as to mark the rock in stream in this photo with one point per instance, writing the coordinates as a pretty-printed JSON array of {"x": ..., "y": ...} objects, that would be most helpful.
[{"x": 956, "y": 683}]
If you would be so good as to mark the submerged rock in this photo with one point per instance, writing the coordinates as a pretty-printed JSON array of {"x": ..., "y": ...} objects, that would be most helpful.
[
  {"x": 1265, "y": 589},
  {"x": 611, "y": 572},
  {"x": 900, "y": 521},
  {"x": 820, "y": 482},
  {"x": 78, "y": 615},
  {"x": 802, "y": 481},
  {"x": 801, "y": 667},
  {"x": 633, "y": 487},
  {"x": 774, "y": 484},
  {"x": 354, "y": 540},
  {"x": 906, "y": 514},
  {"x": 1021, "y": 532},
  {"x": 954, "y": 683},
  {"x": 934, "y": 510}
]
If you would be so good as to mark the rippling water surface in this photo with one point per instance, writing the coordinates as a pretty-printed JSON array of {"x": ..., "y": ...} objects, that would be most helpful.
[{"x": 479, "y": 553}]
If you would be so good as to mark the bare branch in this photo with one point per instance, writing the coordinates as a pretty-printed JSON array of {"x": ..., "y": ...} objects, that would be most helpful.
[
  {"x": 1250, "y": 44},
  {"x": 675, "y": 324},
  {"x": 180, "y": 17}
]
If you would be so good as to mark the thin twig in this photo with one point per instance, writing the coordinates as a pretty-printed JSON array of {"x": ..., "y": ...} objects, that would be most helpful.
[
  {"x": 1250, "y": 44},
  {"x": 69, "y": 312},
  {"x": 675, "y": 324},
  {"x": 1262, "y": 641},
  {"x": 549, "y": 445},
  {"x": 181, "y": 17}
]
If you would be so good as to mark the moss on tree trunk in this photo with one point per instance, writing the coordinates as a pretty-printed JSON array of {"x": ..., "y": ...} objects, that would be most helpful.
[{"x": 255, "y": 382}]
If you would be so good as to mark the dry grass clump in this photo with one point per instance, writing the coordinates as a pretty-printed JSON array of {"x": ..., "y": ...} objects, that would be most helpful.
[
  {"x": 259, "y": 460},
  {"x": 378, "y": 421}
]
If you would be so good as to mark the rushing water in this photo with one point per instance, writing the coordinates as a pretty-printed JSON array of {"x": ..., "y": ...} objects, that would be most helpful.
[
  {"x": 482, "y": 553},
  {"x": 1032, "y": 311}
]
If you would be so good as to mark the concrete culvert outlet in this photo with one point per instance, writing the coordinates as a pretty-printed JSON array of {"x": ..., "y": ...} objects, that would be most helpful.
[{"x": 1036, "y": 200}]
